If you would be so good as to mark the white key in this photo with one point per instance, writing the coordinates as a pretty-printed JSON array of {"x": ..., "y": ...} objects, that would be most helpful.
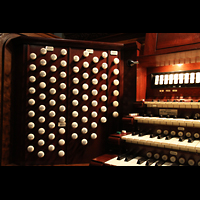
[
  {"x": 183, "y": 145},
  {"x": 167, "y": 164},
  {"x": 192, "y": 145}
]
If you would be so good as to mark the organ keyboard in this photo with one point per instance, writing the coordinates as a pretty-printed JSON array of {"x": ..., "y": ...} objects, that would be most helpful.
[{"x": 164, "y": 127}]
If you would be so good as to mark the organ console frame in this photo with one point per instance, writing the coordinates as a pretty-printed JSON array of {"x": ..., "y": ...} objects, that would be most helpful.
[{"x": 164, "y": 53}]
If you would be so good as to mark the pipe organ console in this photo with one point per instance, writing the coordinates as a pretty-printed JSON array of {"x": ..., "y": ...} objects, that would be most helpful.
[
  {"x": 164, "y": 129},
  {"x": 65, "y": 99},
  {"x": 107, "y": 104}
]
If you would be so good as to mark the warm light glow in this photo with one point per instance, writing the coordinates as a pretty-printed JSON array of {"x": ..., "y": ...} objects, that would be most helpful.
[{"x": 179, "y": 65}]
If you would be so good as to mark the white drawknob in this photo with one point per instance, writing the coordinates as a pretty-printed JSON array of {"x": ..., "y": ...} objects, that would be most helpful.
[
  {"x": 84, "y": 130},
  {"x": 75, "y": 91},
  {"x": 115, "y": 114},
  {"x": 94, "y": 92},
  {"x": 103, "y": 98},
  {"x": 94, "y": 114},
  {"x": 42, "y": 108},
  {"x": 103, "y": 119},
  {"x": 31, "y": 136},
  {"x": 85, "y": 86},
  {"x": 94, "y": 81},
  {"x": 51, "y": 147},
  {"x": 115, "y": 71},
  {"x": 104, "y": 76},
  {"x": 104, "y": 87},
  {"x": 52, "y": 79},
  {"x": 52, "y": 91},
  {"x": 61, "y": 153},
  {"x": 41, "y": 131},
  {"x": 43, "y": 62},
  {"x": 53, "y": 68},
  {"x": 32, "y": 67},
  {"x": 74, "y": 125},
  {"x": 84, "y": 119},
  {"x": 76, "y": 58},
  {"x": 63, "y": 86},
  {"x": 103, "y": 108},
  {"x": 42, "y": 96},
  {"x": 95, "y": 59},
  {"x": 61, "y": 142},
  {"x": 74, "y": 114},
  {"x": 61, "y": 131},
  {"x": 75, "y": 69},
  {"x": 62, "y": 97},
  {"x": 116, "y": 82},
  {"x": 52, "y": 113},
  {"x": 63, "y": 63},
  {"x": 104, "y": 65},
  {"x": 32, "y": 79},
  {"x": 41, "y": 119},
  {"x": 41, "y": 142},
  {"x": 63, "y": 52},
  {"x": 84, "y": 108},
  {"x": 31, "y": 113},
  {"x": 86, "y": 64},
  {"x": 33, "y": 56},
  {"x": 94, "y": 103},
  {"x": 93, "y": 124},
  {"x": 31, "y": 102},
  {"x": 116, "y": 61},
  {"x": 63, "y": 74},
  {"x": 95, "y": 70},
  {"x": 51, "y": 136},
  {"x": 52, "y": 102},
  {"x": 52, "y": 125},
  {"x": 30, "y": 148},
  {"x": 62, "y": 119},
  {"x": 84, "y": 142},
  {"x": 75, "y": 80},
  {"x": 75, "y": 102},
  {"x": 53, "y": 57},
  {"x": 32, "y": 90},
  {"x": 43, "y": 51},
  {"x": 74, "y": 136},
  {"x": 42, "y": 85},
  {"x": 104, "y": 54},
  {"x": 62, "y": 108},
  {"x": 85, "y": 97},
  {"x": 86, "y": 54},
  {"x": 94, "y": 136},
  {"x": 116, "y": 93},
  {"x": 40, "y": 154},
  {"x": 85, "y": 75},
  {"x": 115, "y": 103},
  {"x": 31, "y": 125}
]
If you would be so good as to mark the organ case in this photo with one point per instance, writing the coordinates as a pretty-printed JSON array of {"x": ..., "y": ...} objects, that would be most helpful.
[{"x": 66, "y": 99}]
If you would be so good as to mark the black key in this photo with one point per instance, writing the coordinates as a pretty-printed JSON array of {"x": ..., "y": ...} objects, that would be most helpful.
[
  {"x": 128, "y": 158},
  {"x": 141, "y": 160},
  {"x": 160, "y": 163},
  {"x": 181, "y": 139},
  {"x": 190, "y": 140},
  {"x": 150, "y": 162},
  {"x": 120, "y": 157}
]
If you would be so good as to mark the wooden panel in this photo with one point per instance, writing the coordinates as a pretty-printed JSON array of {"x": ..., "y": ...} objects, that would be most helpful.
[
  {"x": 162, "y": 43},
  {"x": 75, "y": 152},
  {"x": 186, "y": 93},
  {"x": 166, "y": 40}
]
